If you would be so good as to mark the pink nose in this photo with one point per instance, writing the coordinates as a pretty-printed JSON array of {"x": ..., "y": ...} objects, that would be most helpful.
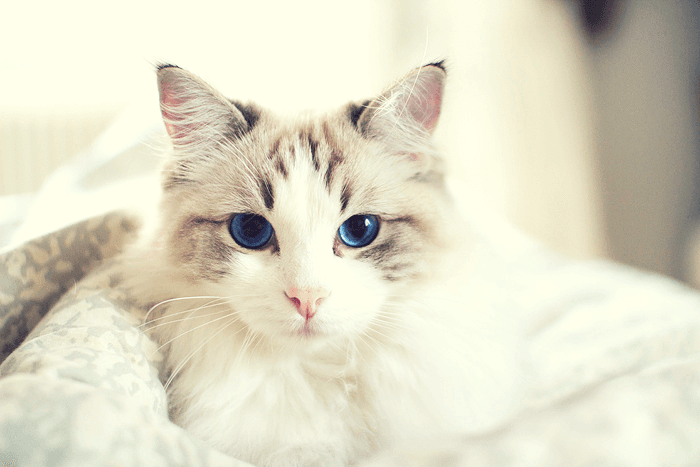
[{"x": 307, "y": 300}]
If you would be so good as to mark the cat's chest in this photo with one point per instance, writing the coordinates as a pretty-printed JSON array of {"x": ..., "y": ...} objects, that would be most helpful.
[{"x": 315, "y": 414}]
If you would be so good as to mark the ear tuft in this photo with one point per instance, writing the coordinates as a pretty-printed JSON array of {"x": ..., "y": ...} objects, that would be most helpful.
[
  {"x": 160, "y": 66},
  {"x": 409, "y": 111},
  {"x": 440, "y": 64},
  {"x": 194, "y": 113}
]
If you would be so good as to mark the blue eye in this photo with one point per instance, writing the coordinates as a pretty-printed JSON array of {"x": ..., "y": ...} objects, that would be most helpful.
[
  {"x": 359, "y": 230},
  {"x": 250, "y": 230}
]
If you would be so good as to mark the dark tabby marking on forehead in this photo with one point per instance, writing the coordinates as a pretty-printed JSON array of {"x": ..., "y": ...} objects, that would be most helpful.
[
  {"x": 345, "y": 195},
  {"x": 337, "y": 156},
  {"x": 313, "y": 147},
  {"x": 292, "y": 153},
  {"x": 281, "y": 168},
  {"x": 335, "y": 160},
  {"x": 275, "y": 156},
  {"x": 274, "y": 150},
  {"x": 267, "y": 193},
  {"x": 330, "y": 141}
]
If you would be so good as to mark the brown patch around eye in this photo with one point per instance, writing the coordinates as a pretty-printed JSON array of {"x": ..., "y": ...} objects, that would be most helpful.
[
  {"x": 397, "y": 253},
  {"x": 396, "y": 266},
  {"x": 200, "y": 246},
  {"x": 217, "y": 259},
  {"x": 410, "y": 220},
  {"x": 379, "y": 252},
  {"x": 274, "y": 246}
]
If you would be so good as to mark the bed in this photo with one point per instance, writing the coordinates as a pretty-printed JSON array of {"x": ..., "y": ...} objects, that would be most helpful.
[{"x": 614, "y": 352}]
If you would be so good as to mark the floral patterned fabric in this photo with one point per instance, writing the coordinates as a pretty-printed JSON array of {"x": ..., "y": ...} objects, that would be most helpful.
[
  {"x": 82, "y": 389},
  {"x": 614, "y": 363}
]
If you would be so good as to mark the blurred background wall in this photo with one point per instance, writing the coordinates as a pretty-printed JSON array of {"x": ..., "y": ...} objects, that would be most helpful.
[{"x": 575, "y": 120}]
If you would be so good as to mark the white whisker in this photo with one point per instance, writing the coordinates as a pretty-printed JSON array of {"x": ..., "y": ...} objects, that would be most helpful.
[
  {"x": 189, "y": 317},
  {"x": 175, "y": 300},
  {"x": 211, "y": 304},
  {"x": 232, "y": 313},
  {"x": 191, "y": 354}
]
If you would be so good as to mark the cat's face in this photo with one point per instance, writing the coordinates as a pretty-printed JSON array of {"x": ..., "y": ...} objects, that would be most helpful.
[{"x": 311, "y": 226}]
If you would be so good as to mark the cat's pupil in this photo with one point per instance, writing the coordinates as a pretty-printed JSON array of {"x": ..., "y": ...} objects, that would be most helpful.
[
  {"x": 357, "y": 225},
  {"x": 251, "y": 225}
]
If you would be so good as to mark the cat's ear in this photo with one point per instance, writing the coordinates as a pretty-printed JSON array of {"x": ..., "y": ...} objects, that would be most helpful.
[
  {"x": 194, "y": 113},
  {"x": 406, "y": 115}
]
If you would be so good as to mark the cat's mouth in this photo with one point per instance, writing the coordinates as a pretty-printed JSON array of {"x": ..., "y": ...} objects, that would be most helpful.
[
  {"x": 312, "y": 330},
  {"x": 308, "y": 330}
]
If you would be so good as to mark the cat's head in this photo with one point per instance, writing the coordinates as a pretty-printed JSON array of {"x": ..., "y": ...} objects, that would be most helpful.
[{"x": 311, "y": 226}]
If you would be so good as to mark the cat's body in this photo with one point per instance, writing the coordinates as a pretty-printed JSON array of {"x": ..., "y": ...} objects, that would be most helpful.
[{"x": 310, "y": 279}]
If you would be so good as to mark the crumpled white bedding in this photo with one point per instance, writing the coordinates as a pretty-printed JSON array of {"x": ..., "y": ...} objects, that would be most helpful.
[{"x": 614, "y": 361}]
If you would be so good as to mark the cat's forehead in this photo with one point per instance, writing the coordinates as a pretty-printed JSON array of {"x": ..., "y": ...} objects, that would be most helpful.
[
  {"x": 306, "y": 166},
  {"x": 310, "y": 157},
  {"x": 319, "y": 146}
]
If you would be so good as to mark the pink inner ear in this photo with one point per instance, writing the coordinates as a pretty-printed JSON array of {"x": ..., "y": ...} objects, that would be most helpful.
[
  {"x": 426, "y": 100},
  {"x": 169, "y": 105}
]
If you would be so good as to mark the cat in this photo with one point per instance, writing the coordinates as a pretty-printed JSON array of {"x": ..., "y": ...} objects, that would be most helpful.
[{"x": 307, "y": 277}]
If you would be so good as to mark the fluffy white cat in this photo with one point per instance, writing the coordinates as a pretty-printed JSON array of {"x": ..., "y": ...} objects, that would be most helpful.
[{"x": 308, "y": 279}]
